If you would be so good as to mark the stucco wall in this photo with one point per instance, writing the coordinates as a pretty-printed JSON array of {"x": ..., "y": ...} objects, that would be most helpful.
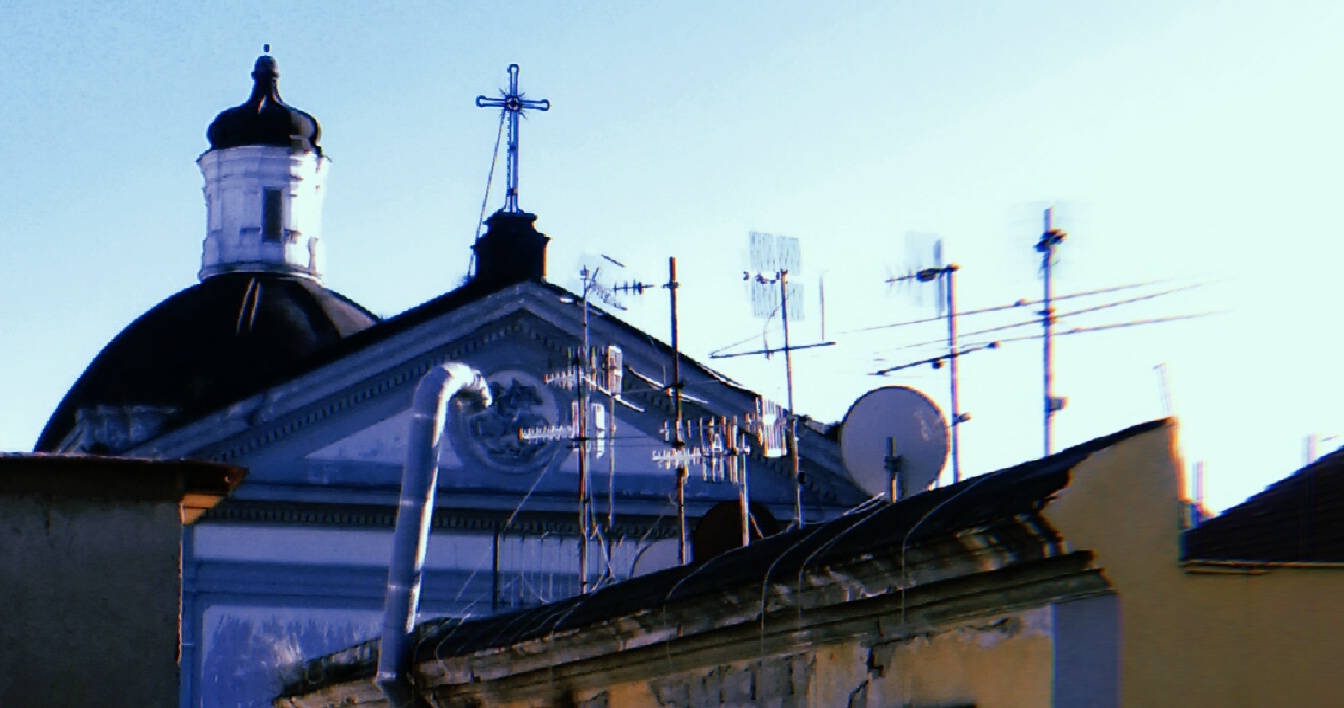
[
  {"x": 1198, "y": 636},
  {"x": 89, "y": 598},
  {"x": 997, "y": 661}
]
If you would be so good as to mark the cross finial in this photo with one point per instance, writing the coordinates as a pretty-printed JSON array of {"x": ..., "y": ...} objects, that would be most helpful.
[
  {"x": 513, "y": 103},
  {"x": 266, "y": 48}
]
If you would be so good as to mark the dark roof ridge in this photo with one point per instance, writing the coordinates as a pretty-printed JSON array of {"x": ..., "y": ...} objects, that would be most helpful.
[{"x": 1298, "y": 519}]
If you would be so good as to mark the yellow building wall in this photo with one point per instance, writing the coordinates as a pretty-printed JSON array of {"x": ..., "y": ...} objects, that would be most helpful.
[
  {"x": 1003, "y": 661},
  {"x": 1268, "y": 637}
]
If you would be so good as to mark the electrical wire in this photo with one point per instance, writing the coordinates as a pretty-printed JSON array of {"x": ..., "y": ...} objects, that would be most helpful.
[
  {"x": 489, "y": 179},
  {"x": 1116, "y": 325},
  {"x": 1037, "y": 321},
  {"x": 1010, "y": 306}
]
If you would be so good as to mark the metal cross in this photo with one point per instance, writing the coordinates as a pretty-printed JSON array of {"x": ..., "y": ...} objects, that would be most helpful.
[{"x": 514, "y": 104}]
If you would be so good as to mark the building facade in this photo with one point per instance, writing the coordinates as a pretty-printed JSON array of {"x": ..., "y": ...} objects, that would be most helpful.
[
  {"x": 261, "y": 366},
  {"x": 92, "y": 583},
  {"x": 1069, "y": 581}
]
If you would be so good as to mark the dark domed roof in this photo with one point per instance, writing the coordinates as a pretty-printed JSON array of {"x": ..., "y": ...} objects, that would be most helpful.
[
  {"x": 265, "y": 119},
  {"x": 214, "y": 343}
]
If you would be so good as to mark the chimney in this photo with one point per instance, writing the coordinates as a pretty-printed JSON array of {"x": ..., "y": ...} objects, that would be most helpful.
[{"x": 511, "y": 251}]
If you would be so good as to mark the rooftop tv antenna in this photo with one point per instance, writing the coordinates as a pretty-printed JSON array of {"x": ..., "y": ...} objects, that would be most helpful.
[
  {"x": 591, "y": 425},
  {"x": 772, "y": 259},
  {"x": 720, "y": 446},
  {"x": 678, "y": 458},
  {"x": 894, "y": 442},
  {"x": 924, "y": 264},
  {"x": 1051, "y": 238},
  {"x": 512, "y": 104}
]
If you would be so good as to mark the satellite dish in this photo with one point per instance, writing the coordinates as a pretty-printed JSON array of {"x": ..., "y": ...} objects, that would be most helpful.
[{"x": 900, "y": 420}]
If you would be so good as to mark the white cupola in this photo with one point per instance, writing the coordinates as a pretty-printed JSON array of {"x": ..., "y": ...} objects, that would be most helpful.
[{"x": 264, "y": 177}]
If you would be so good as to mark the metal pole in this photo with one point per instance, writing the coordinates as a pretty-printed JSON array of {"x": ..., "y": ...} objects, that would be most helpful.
[
  {"x": 952, "y": 369},
  {"x": 511, "y": 199},
  {"x": 683, "y": 553},
  {"x": 582, "y": 436},
  {"x": 494, "y": 573},
  {"x": 1047, "y": 318},
  {"x": 793, "y": 418},
  {"x": 743, "y": 494},
  {"x": 1050, "y": 239},
  {"x": 893, "y": 464},
  {"x": 612, "y": 393}
]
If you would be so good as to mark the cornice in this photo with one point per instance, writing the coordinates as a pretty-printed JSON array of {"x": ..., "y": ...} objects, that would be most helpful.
[
  {"x": 371, "y": 517},
  {"x": 513, "y": 326}
]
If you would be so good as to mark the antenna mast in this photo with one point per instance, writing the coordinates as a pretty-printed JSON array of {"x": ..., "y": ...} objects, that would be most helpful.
[
  {"x": 777, "y": 256},
  {"x": 683, "y": 553},
  {"x": 788, "y": 377},
  {"x": 582, "y": 378},
  {"x": 1051, "y": 238},
  {"x": 952, "y": 355},
  {"x": 944, "y": 276}
]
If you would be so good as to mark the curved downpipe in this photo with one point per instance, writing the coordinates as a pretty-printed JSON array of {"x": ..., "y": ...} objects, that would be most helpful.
[{"x": 414, "y": 512}]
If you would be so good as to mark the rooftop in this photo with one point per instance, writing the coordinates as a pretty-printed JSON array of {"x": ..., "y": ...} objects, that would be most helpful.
[
  {"x": 1002, "y": 505},
  {"x": 1299, "y": 519}
]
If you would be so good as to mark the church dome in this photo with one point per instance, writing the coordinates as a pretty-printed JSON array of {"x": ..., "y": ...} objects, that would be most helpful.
[
  {"x": 265, "y": 119},
  {"x": 214, "y": 343}
]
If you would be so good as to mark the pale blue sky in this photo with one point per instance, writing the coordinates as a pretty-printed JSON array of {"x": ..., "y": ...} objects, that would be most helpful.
[{"x": 1197, "y": 141}]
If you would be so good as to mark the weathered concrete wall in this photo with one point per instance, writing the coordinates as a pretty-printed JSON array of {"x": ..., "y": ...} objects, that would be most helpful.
[
  {"x": 88, "y": 602},
  {"x": 1258, "y": 636},
  {"x": 998, "y": 661}
]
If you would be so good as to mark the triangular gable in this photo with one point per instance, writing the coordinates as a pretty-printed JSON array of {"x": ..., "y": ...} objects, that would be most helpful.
[{"x": 345, "y": 418}]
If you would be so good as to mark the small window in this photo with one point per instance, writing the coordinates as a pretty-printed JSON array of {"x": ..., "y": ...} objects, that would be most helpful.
[{"x": 272, "y": 215}]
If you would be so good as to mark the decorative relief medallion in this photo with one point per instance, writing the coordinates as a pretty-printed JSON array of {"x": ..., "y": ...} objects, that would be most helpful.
[{"x": 490, "y": 437}]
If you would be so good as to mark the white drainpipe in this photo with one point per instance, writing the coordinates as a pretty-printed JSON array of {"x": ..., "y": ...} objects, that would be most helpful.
[{"x": 418, "y": 482}]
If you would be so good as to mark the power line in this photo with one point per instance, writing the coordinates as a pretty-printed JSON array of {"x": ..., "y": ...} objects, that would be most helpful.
[
  {"x": 1033, "y": 322},
  {"x": 1001, "y": 308},
  {"x": 937, "y": 361},
  {"x": 1115, "y": 325}
]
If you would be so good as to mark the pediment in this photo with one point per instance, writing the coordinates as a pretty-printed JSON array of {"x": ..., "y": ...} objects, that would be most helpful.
[{"x": 345, "y": 422}]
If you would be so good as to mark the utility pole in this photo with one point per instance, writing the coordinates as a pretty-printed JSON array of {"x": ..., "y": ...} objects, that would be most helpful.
[
  {"x": 1051, "y": 238},
  {"x": 952, "y": 355},
  {"x": 944, "y": 275}
]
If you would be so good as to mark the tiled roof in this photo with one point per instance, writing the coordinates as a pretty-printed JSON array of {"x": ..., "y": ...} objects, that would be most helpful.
[{"x": 1299, "y": 519}]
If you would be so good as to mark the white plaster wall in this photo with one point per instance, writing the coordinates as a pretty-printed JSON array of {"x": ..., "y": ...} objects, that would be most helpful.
[
  {"x": 384, "y": 442},
  {"x": 446, "y": 551},
  {"x": 234, "y": 182}
]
